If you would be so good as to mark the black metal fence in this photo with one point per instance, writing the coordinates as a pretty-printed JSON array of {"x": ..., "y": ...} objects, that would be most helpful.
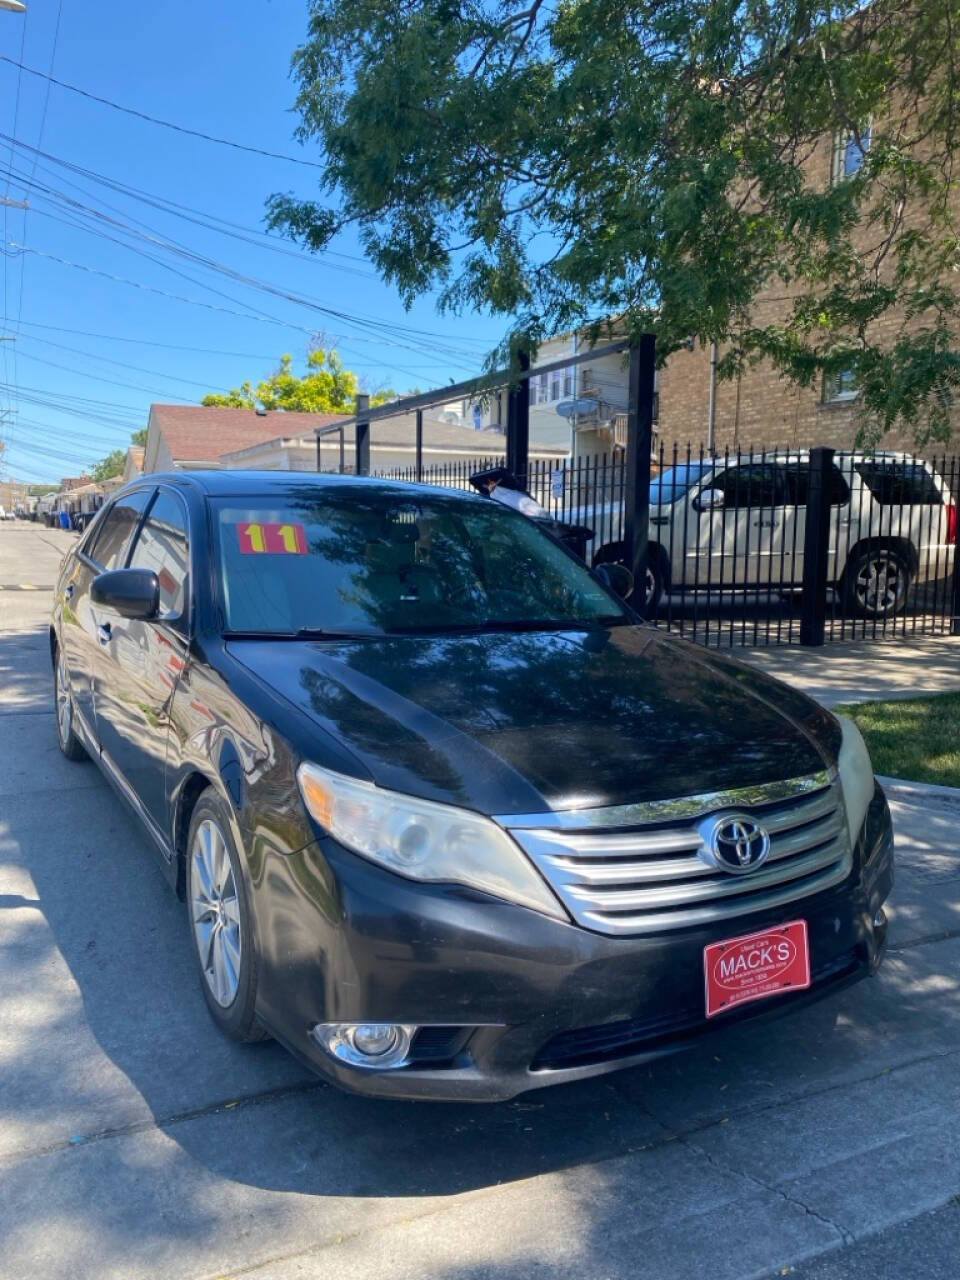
[{"x": 772, "y": 547}]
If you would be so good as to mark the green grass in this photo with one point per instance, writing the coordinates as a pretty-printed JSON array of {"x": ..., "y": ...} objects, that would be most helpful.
[{"x": 918, "y": 739}]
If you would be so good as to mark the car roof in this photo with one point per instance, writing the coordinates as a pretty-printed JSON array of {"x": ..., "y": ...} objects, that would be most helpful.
[{"x": 241, "y": 483}]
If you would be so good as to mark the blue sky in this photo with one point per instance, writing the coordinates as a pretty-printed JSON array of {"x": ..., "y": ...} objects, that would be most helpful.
[{"x": 74, "y": 388}]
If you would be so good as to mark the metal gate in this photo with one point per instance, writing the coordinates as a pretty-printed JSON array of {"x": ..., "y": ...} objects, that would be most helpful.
[{"x": 772, "y": 547}]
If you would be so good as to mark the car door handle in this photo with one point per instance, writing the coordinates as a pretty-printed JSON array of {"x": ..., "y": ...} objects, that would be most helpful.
[
  {"x": 103, "y": 633},
  {"x": 68, "y": 594}
]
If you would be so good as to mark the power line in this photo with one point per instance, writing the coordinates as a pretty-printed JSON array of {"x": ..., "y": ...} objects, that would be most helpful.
[
  {"x": 166, "y": 124},
  {"x": 120, "y": 364},
  {"x": 43, "y": 122},
  {"x": 16, "y": 117},
  {"x": 145, "y": 342}
]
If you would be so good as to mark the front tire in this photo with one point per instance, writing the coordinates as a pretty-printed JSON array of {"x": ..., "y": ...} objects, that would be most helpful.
[
  {"x": 69, "y": 743},
  {"x": 615, "y": 553},
  {"x": 221, "y": 924}
]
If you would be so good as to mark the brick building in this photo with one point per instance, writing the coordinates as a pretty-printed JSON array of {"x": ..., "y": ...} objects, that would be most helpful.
[{"x": 761, "y": 408}]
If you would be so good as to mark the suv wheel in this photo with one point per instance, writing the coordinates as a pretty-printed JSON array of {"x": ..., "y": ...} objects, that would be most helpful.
[
  {"x": 70, "y": 744},
  {"x": 653, "y": 588},
  {"x": 877, "y": 582},
  {"x": 221, "y": 925},
  {"x": 615, "y": 553}
]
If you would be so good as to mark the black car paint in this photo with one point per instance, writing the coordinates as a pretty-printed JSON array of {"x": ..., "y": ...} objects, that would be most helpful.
[{"x": 499, "y": 722}]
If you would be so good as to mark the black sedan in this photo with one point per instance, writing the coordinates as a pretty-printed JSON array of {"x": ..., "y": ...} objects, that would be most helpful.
[{"x": 448, "y": 820}]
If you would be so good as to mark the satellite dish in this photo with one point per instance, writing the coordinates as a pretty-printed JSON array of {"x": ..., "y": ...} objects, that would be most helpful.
[{"x": 567, "y": 408}]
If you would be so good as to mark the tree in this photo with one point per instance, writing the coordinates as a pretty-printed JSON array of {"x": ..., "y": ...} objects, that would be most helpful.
[
  {"x": 110, "y": 466},
  {"x": 649, "y": 160},
  {"x": 115, "y": 461},
  {"x": 326, "y": 387}
]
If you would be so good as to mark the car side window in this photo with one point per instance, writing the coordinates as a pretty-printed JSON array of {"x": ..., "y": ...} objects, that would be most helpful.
[
  {"x": 116, "y": 529},
  {"x": 163, "y": 546},
  {"x": 899, "y": 484},
  {"x": 750, "y": 485},
  {"x": 797, "y": 484}
]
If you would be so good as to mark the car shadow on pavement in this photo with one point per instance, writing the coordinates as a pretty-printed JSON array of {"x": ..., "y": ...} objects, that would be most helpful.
[{"x": 107, "y": 1035}]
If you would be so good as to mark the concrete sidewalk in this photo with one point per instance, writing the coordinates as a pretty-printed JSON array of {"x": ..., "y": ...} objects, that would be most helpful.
[{"x": 864, "y": 670}]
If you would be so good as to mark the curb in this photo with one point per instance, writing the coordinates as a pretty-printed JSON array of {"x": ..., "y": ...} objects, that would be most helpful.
[{"x": 901, "y": 788}]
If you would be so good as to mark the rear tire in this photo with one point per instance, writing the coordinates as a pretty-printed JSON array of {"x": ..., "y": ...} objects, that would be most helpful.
[
  {"x": 877, "y": 582},
  {"x": 221, "y": 923},
  {"x": 69, "y": 743}
]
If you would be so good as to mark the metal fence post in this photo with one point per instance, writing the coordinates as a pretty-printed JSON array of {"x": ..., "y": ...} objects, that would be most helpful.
[
  {"x": 419, "y": 445},
  {"x": 518, "y": 423},
  {"x": 954, "y": 499},
  {"x": 362, "y": 440},
  {"x": 816, "y": 549},
  {"x": 636, "y": 479}
]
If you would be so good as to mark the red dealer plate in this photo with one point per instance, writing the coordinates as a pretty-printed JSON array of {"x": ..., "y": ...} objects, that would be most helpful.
[{"x": 756, "y": 966}]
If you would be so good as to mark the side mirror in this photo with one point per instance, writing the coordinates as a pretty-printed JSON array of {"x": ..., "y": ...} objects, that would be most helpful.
[
  {"x": 709, "y": 500},
  {"x": 133, "y": 593},
  {"x": 617, "y": 577}
]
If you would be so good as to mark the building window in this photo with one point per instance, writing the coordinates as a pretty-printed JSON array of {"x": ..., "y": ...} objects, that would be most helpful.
[
  {"x": 850, "y": 150},
  {"x": 839, "y": 387},
  {"x": 568, "y": 383}
]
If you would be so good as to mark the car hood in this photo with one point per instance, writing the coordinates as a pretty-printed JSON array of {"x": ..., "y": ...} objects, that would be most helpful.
[{"x": 522, "y": 723}]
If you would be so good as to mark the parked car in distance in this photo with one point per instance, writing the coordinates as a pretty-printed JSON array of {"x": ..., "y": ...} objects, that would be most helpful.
[
  {"x": 449, "y": 821},
  {"x": 740, "y": 523}
]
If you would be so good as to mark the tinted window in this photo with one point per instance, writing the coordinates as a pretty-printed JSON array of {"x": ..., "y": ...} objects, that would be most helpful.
[
  {"x": 899, "y": 483},
  {"x": 373, "y": 560},
  {"x": 676, "y": 481},
  {"x": 796, "y": 477},
  {"x": 162, "y": 546},
  {"x": 116, "y": 529},
  {"x": 751, "y": 485}
]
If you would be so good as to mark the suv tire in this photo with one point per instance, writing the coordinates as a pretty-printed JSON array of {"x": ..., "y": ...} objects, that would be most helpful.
[
  {"x": 615, "y": 553},
  {"x": 877, "y": 582}
]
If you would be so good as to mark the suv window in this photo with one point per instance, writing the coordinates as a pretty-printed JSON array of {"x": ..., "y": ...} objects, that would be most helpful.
[
  {"x": 757, "y": 484},
  {"x": 163, "y": 547},
  {"x": 116, "y": 528},
  {"x": 893, "y": 483},
  {"x": 797, "y": 484}
]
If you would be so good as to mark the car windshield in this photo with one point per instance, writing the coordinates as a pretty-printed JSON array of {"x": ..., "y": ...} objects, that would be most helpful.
[
  {"x": 375, "y": 560},
  {"x": 673, "y": 483}
]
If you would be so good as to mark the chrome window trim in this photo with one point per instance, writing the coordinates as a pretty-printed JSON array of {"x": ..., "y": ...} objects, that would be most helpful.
[{"x": 633, "y": 815}]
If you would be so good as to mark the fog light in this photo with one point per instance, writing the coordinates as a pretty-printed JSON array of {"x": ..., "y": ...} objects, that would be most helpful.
[{"x": 377, "y": 1046}]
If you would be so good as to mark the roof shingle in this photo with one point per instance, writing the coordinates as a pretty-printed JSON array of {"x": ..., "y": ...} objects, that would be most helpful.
[{"x": 201, "y": 433}]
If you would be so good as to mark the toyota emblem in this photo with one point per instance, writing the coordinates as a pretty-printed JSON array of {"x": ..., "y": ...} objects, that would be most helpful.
[{"x": 736, "y": 843}]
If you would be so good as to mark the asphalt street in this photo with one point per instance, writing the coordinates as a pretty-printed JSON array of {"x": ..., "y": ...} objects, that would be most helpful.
[{"x": 136, "y": 1143}]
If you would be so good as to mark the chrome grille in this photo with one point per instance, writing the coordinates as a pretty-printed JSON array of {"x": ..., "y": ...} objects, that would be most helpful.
[{"x": 654, "y": 876}]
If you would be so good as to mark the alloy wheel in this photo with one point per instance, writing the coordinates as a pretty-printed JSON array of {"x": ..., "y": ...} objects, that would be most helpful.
[
  {"x": 879, "y": 584},
  {"x": 215, "y": 911},
  {"x": 650, "y": 585},
  {"x": 64, "y": 708}
]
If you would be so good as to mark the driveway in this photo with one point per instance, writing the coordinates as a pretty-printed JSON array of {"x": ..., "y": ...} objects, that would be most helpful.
[{"x": 136, "y": 1142}]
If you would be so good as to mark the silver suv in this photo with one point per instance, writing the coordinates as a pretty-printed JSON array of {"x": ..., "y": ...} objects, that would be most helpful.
[{"x": 740, "y": 523}]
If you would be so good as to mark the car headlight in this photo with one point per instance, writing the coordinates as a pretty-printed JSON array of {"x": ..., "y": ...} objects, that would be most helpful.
[
  {"x": 423, "y": 840},
  {"x": 856, "y": 776}
]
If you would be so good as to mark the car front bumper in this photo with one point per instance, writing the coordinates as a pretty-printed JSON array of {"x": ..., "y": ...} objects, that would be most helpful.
[{"x": 539, "y": 1001}]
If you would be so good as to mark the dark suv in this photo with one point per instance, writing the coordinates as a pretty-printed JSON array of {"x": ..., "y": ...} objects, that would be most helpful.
[{"x": 449, "y": 821}]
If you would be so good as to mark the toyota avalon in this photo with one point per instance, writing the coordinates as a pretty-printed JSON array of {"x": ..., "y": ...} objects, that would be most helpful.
[{"x": 448, "y": 819}]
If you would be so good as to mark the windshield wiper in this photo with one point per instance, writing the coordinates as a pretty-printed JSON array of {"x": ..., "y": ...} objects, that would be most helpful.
[{"x": 305, "y": 633}]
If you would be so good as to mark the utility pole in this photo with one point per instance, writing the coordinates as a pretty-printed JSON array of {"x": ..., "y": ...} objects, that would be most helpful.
[{"x": 5, "y": 201}]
